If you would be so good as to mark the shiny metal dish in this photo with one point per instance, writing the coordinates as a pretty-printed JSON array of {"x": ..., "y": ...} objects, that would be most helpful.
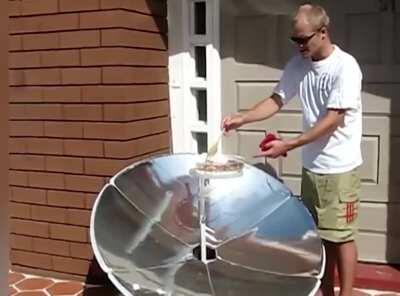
[{"x": 158, "y": 228}]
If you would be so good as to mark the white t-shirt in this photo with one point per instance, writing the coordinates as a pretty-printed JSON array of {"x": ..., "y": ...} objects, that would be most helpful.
[{"x": 334, "y": 82}]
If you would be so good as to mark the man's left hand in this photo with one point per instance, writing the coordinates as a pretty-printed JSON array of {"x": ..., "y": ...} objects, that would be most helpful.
[{"x": 274, "y": 149}]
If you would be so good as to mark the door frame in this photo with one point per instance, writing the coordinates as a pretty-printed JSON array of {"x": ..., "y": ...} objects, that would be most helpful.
[{"x": 181, "y": 69}]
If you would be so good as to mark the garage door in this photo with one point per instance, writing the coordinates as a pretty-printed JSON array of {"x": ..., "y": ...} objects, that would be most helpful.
[{"x": 254, "y": 49}]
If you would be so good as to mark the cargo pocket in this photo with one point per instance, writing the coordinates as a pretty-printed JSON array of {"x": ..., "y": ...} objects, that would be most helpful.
[{"x": 349, "y": 198}]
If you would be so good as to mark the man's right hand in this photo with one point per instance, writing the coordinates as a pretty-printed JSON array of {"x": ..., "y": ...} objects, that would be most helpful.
[{"x": 232, "y": 121}]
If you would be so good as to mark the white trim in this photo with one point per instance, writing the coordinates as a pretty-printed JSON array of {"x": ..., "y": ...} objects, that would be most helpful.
[
  {"x": 214, "y": 74},
  {"x": 183, "y": 77},
  {"x": 175, "y": 67}
]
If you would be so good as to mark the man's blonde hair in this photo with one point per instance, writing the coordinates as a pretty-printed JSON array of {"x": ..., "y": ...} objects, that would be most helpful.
[{"x": 315, "y": 15}]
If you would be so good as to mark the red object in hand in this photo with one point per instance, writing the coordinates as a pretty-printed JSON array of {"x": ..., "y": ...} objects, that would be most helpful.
[{"x": 268, "y": 138}]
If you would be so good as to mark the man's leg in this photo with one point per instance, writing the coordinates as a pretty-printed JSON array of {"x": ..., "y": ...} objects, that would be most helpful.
[
  {"x": 327, "y": 282},
  {"x": 347, "y": 262}
]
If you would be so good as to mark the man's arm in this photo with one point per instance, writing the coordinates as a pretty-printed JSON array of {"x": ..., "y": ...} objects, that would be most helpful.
[
  {"x": 262, "y": 110},
  {"x": 325, "y": 126}
]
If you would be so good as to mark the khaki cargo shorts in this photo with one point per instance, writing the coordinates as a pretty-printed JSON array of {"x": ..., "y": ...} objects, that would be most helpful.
[{"x": 333, "y": 200}]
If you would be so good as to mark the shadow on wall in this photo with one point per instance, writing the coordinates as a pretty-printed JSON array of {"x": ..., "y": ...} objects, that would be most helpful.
[{"x": 158, "y": 9}]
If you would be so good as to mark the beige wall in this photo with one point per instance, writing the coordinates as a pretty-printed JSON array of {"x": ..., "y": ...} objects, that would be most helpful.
[
  {"x": 4, "y": 251},
  {"x": 88, "y": 96},
  {"x": 252, "y": 63}
]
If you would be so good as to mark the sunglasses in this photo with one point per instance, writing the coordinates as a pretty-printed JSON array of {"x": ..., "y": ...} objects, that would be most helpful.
[{"x": 302, "y": 40}]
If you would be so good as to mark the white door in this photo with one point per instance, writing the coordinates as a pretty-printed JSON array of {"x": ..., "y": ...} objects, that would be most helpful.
[{"x": 254, "y": 48}]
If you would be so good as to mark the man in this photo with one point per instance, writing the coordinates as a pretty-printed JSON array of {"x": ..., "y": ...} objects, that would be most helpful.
[{"x": 328, "y": 82}]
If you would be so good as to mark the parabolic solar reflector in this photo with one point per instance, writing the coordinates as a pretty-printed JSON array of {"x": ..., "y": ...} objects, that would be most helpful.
[{"x": 161, "y": 228}]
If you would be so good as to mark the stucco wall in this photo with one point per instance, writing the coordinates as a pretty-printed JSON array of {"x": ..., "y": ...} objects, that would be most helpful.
[{"x": 88, "y": 96}]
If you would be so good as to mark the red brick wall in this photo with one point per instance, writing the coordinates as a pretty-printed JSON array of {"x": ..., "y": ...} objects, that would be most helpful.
[{"x": 88, "y": 96}]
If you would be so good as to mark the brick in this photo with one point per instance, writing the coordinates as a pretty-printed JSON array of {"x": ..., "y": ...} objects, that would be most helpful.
[
  {"x": 27, "y": 162},
  {"x": 50, "y": 246},
  {"x": 26, "y": 128},
  {"x": 69, "y": 232},
  {"x": 48, "y": 273},
  {"x": 17, "y": 178},
  {"x": 44, "y": 146},
  {"x": 63, "y": 129},
  {"x": 31, "y": 259},
  {"x": 104, "y": 167},
  {"x": 14, "y": 8},
  {"x": 83, "y": 148},
  {"x": 44, "y": 23},
  {"x": 31, "y": 7},
  {"x": 40, "y": 41},
  {"x": 36, "y": 111},
  {"x": 43, "y": 111},
  {"x": 90, "y": 200},
  {"x": 82, "y": 5},
  {"x": 126, "y": 75},
  {"x": 46, "y": 180},
  {"x": 16, "y": 145},
  {"x": 123, "y": 56},
  {"x": 79, "y": 39},
  {"x": 24, "y": 60},
  {"x": 21, "y": 242},
  {"x": 28, "y": 195},
  {"x": 20, "y": 210},
  {"x": 64, "y": 164},
  {"x": 14, "y": 41},
  {"x": 27, "y": 227},
  {"x": 66, "y": 199},
  {"x": 25, "y": 94},
  {"x": 129, "y": 112},
  {"x": 125, "y": 37},
  {"x": 125, "y": 131},
  {"x": 137, "y": 147},
  {"x": 132, "y": 93},
  {"x": 35, "y": 77},
  {"x": 78, "y": 217},
  {"x": 79, "y": 250},
  {"x": 62, "y": 94},
  {"x": 85, "y": 112},
  {"x": 83, "y": 183},
  {"x": 153, "y": 7},
  {"x": 60, "y": 58},
  {"x": 16, "y": 77},
  {"x": 110, "y": 131},
  {"x": 16, "y": 111},
  {"x": 81, "y": 76},
  {"x": 71, "y": 265},
  {"x": 49, "y": 214},
  {"x": 121, "y": 19}
]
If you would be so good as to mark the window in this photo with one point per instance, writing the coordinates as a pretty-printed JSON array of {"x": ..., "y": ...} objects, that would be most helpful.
[
  {"x": 201, "y": 61},
  {"x": 200, "y": 18},
  {"x": 201, "y": 142},
  {"x": 201, "y": 104},
  {"x": 194, "y": 74}
]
